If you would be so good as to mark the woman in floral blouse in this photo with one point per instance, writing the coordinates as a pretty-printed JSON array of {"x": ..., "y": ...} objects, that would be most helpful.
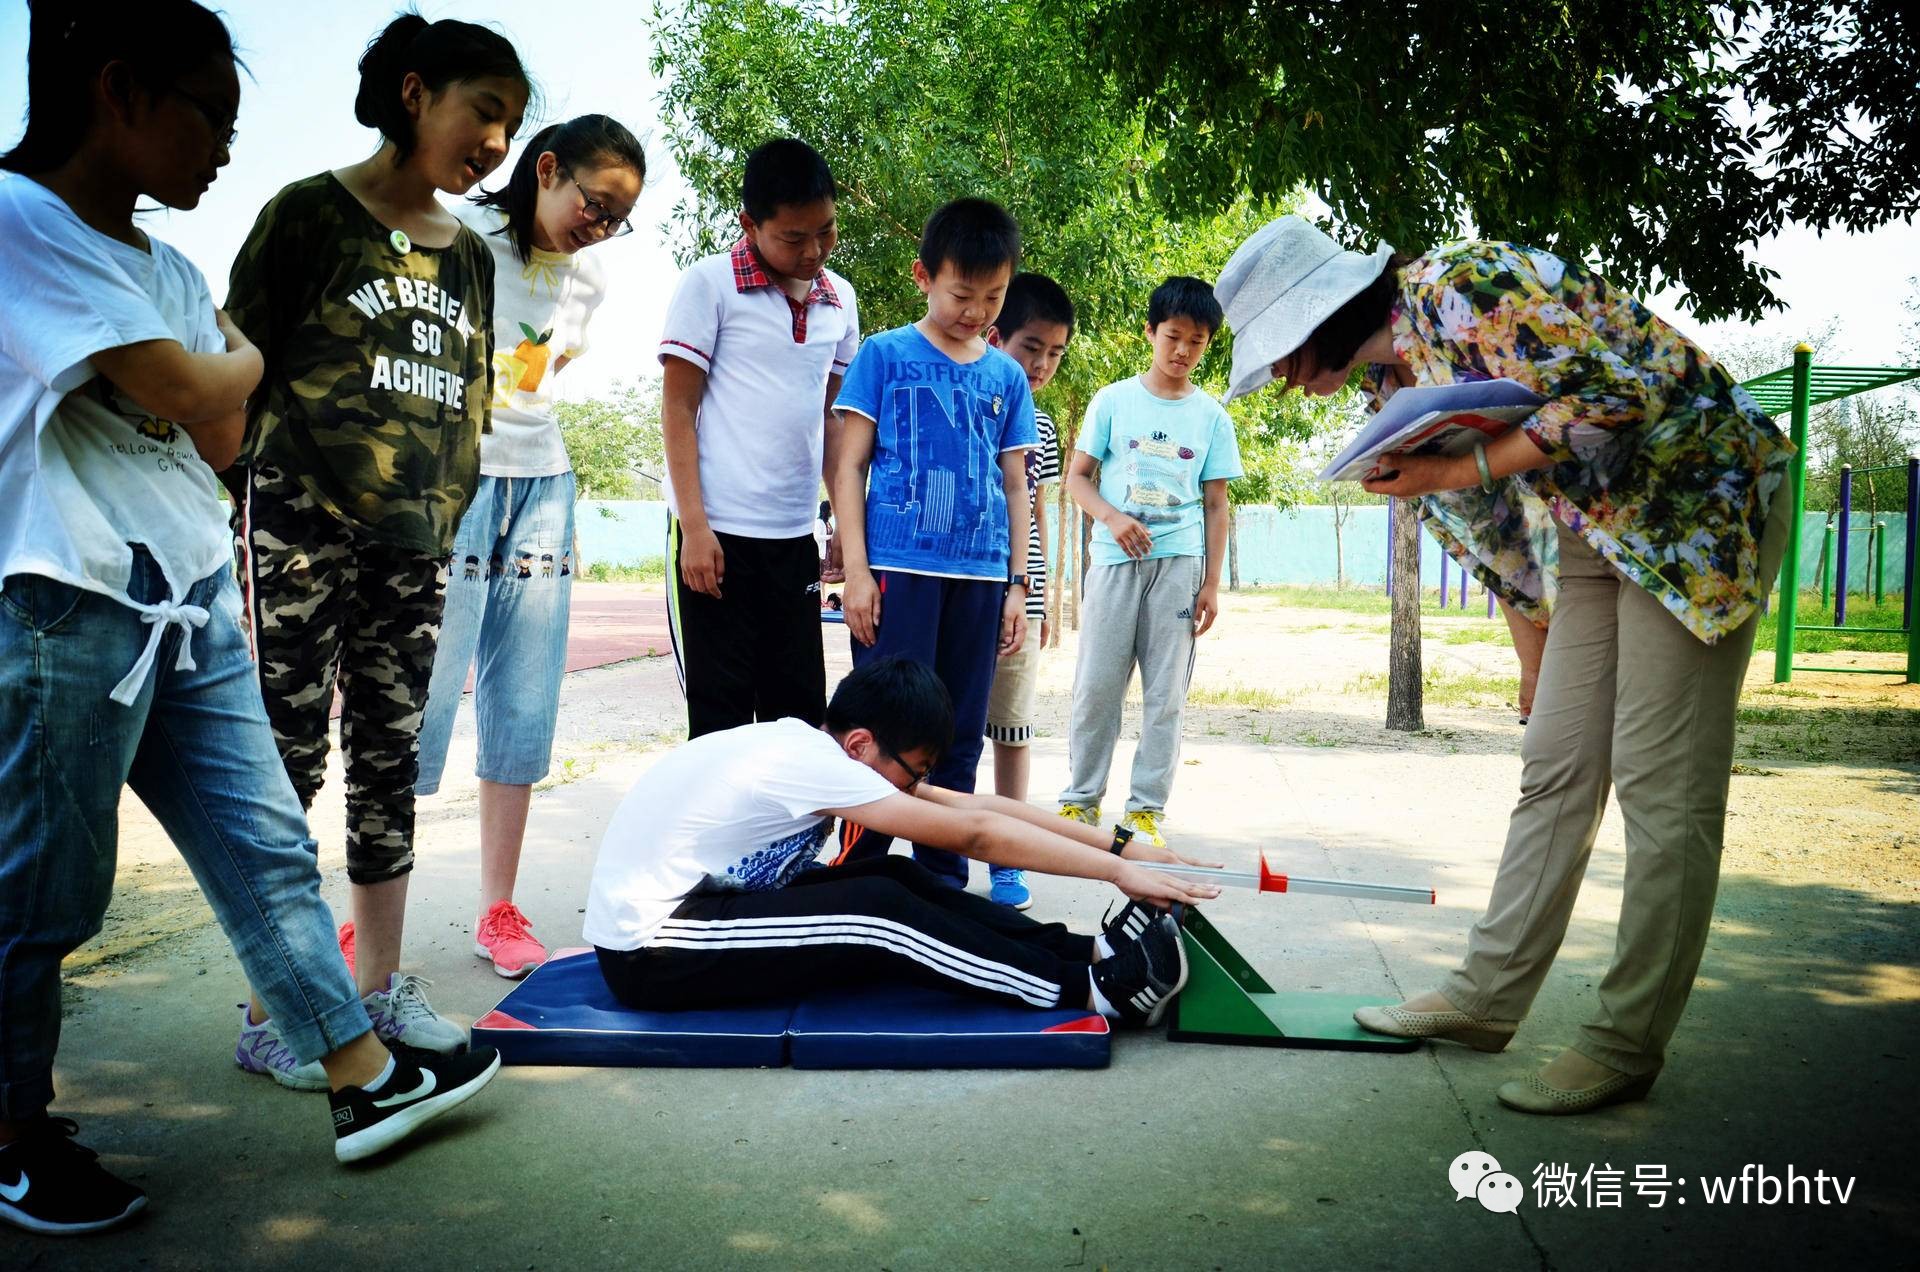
[{"x": 1658, "y": 473}]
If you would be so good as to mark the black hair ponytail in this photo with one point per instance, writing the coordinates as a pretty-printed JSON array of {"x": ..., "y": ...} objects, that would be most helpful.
[
  {"x": 585, "y": 141},
  {"x": 440, "y": 53},
  {"x": 159, "y": 40}
]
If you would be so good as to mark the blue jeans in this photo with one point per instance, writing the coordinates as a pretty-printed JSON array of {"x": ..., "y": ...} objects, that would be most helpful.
[
  {"x": 508, "y": 592},
  {"x": 195, "y": 746}
]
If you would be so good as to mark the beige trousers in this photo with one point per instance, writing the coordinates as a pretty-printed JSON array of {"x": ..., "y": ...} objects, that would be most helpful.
[{"x": 1627, "y": 697}]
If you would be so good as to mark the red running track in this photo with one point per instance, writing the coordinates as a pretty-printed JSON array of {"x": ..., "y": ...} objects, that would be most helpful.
[{"x": 610, "y": 623}]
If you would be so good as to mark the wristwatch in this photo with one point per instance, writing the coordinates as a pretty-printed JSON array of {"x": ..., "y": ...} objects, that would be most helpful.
[
  {"x": 1122, "y": 836},
  {"x": 1022, "y": 582}
]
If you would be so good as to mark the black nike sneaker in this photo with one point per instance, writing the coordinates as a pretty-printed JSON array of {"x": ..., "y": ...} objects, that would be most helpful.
[
  {"x": 53, "y": 1186},
  {"x": 422, "y": 1086},
  {"x": 1140, "y": 980}
]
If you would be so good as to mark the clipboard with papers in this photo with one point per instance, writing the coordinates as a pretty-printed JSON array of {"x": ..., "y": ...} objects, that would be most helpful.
[{"x": 1435, "y": 419}]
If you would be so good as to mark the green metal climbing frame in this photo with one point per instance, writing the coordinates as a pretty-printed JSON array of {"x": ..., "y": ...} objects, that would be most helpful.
[{"x": 1794, "y": 391}]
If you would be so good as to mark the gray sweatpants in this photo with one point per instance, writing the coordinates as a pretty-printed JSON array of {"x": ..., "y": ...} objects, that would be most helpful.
[{"x": 1137, "y": 612}]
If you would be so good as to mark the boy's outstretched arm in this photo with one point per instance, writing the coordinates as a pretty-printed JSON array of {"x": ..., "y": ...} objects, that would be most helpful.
[
  {"x": 1206, "y": 606},
  {"x": 1007, "y": 841},
  {"x": 860, "y": 600},
  {"x": 1078, "y": 832}
]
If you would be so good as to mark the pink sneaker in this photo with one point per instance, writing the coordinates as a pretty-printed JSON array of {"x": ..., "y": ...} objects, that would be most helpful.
[
  {"x": 506, "y": 938},
  {"x": 346, "y": 944}
]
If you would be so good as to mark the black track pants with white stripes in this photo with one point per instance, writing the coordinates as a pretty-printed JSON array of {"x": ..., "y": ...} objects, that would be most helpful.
[{"x": 879, "y": 920}]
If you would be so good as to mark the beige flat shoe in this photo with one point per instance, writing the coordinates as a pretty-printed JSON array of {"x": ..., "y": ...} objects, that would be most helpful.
[
  {"x": 1446, "y": 1026},
  {"x": 1534, "y": 1096}
]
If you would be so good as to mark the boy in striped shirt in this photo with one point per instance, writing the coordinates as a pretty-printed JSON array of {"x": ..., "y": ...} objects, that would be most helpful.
[{"x": 1035, "y": 324}]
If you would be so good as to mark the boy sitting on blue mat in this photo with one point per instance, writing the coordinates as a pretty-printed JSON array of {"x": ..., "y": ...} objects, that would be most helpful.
[{"x": 706, "y": 892}]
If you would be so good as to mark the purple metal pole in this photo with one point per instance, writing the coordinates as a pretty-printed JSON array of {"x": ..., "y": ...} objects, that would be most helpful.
[
  {"x": 1389, "y": 546},
  {"x": 1463, "y": 585},
  {"x": 1846, "y": 533},
  {"x": 1445, "y": 566},
  {"x": 1489, "y": 602},
  {"x": 1907, "y": 577}
]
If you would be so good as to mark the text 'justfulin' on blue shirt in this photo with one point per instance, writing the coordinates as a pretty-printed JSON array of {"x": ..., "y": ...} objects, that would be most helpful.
[{"x": 935, "y": 502}]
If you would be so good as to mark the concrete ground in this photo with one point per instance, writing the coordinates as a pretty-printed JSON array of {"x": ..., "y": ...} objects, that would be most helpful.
[{"x": 1798, "y": 1052}]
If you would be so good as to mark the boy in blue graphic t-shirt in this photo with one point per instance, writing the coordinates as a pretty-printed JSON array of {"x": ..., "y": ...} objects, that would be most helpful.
[{"x": 929, "y": 492}]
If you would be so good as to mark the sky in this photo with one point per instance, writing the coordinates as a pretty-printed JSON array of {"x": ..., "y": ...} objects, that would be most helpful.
[{"x": 296, "y": 118}]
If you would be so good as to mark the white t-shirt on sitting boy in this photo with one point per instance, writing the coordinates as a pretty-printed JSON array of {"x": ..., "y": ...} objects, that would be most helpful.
[{"x": 735, "y": 809}]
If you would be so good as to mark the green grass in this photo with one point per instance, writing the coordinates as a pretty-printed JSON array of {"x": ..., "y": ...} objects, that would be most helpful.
[
  {"x": 1354, "y": 600},
  {"x": 1480, "y": 633},
  {"x": 1238, "y": 695},
  {"x": 1443, "y": 688},
  {"x": 1358, "y": 599},
  {"x": 1861, "y": 612},
  {"x": 652, "y": 570}
]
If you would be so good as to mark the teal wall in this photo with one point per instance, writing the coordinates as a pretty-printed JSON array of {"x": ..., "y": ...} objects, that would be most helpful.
[
  {"x": 1294, "y": 545},
  {"x": 621, "y": 531}
]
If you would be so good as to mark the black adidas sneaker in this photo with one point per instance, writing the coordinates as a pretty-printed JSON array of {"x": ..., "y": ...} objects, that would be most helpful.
[
  {"x": 53, "y": 1186},
  {"x": 422, "y": 1086},
  {"x": 1125, "y": 928},
  {"x": 1140, "y": 980}
]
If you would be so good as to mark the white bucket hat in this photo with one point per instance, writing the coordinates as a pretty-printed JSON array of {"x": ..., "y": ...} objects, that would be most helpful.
[{"x": 1281, "y": 284}]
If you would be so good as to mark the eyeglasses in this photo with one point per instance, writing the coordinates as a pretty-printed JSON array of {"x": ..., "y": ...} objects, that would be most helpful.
[
  {"x": 914, "y": 778},
  {"x": 599, "y": 213},
  {"x": 222, "y": 125}
]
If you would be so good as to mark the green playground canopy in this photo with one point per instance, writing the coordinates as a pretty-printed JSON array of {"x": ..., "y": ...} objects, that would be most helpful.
[{"x": 1774, "y": 390}]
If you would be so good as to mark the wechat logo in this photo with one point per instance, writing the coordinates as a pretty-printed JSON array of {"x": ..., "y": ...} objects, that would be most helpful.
[{"x": 1477, "y": 1175}]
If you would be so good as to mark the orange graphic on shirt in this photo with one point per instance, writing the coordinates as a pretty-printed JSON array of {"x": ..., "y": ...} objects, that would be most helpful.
[{"x": 533, "y": 353}]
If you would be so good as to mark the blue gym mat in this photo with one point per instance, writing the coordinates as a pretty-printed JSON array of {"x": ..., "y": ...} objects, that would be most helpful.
[
  {"x": 563, "y": 1014},
  {"x": 907, "y": 1027}
]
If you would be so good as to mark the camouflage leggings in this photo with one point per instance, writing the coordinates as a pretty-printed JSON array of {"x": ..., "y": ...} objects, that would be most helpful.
[{"x": 327, "y": 602}]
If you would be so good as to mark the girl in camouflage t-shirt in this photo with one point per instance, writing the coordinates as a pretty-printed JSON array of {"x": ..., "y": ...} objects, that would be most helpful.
[{"x": 373, "y": 306}]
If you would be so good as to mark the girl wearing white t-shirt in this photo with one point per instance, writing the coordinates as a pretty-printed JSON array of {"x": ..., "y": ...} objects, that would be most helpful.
[
  {"x": 122, "y": 660},
  {"x": 511, "y": 576}
]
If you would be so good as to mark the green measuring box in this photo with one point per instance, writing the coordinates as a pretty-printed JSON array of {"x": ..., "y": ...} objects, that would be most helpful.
[{"x": 1227, "y": 1001}]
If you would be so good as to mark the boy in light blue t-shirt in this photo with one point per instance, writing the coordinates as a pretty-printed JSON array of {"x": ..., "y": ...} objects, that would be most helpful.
[
  {"x": 930, "y": 491},
  {"x": 1163, "y": 452}
]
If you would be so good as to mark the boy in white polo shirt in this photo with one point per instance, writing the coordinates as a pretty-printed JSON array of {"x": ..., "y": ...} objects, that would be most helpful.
[{"x": 756, "y": 341}]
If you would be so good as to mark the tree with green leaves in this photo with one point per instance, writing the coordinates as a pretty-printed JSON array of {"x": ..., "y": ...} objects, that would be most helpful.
[
  {"x": 913, "y": 105},
  {"x": 614, "y": 442},
  {"x": 1660, "y": 139}
]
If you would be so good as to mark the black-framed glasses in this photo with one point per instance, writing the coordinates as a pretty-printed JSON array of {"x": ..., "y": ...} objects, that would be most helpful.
[
  {"x": 599, "y": 213},
  {"x": 914, "y": 777},
  {"x": 223, "y": 128}
]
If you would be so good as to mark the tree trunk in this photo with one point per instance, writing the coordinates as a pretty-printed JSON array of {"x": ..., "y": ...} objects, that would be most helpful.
[
  {"x": 1339, "y": 553},
  {"x": 1057, "y": 597},
  {"x": 1403, "y": 656},
  {"x": 1233, "y": 547}
]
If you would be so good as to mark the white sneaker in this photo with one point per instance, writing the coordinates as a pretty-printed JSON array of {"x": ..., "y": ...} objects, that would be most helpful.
[
  {"x": 401, "y": 1013},
  {"x": 261, "y": 1049}
]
